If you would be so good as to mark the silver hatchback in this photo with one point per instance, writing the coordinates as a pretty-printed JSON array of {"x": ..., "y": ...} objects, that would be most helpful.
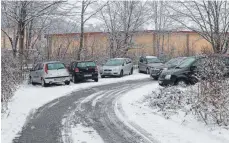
[
  {"x": 49, "y": 73},
  {"x": 117, "y": 67}
]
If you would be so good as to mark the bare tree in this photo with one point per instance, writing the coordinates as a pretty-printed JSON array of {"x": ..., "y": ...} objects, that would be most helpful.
[
  {"x": 85, "y": 15},
  {"x": 122, "y": 19},
  {"x": 210, "y": 19}
]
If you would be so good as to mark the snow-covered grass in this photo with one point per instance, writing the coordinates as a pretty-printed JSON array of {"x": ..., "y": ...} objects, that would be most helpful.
[
  {"x": 28, "y": 98},
  {"x": 177, "y": 129}
]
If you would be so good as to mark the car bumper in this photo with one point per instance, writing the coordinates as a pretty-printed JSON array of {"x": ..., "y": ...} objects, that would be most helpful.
[
  {"x": 165, "y": 82},
  {"x": 112, "y": 73},
  {"x": 86, "y": 76},
  {"x": 51, "y": 80}
]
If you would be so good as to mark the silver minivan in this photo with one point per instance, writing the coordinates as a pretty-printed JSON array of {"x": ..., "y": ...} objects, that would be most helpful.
[
  {"x": 49, "y": 73},
  {"x": 117, "y": 67},
  {"x": 146, "y": 62}
]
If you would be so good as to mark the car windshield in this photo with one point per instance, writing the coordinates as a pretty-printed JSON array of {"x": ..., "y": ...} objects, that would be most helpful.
[
  {"x": 114, "y": 62},
  {"x": 174, "y": 61},
  {"x": 153, "y": 60},
  {"x": 55, "y": 66},
  {"x": 171, "y": 61},
  {"x": 86, "y": 64},
  {"x": 187, "y": 62}
]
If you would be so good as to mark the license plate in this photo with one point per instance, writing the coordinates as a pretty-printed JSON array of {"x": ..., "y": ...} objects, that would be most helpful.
[
  {"x": 87, "y": 75},
  {"x": 58, "y": 79}
]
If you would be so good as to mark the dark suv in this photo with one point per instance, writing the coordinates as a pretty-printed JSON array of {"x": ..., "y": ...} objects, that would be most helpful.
[
  {"x": 156, "y": 70},
  {"x": 184, "y": 72},
  {"x": 82, "y": 70}
]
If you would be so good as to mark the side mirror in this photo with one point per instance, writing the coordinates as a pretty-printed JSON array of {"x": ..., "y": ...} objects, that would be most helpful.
[{"x": 123, "y": 64}]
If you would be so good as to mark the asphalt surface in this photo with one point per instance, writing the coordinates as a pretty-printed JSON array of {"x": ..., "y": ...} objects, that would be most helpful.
[{"x": 92, "y": 107}]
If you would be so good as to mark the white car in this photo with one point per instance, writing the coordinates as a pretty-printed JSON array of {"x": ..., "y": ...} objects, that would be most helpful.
[
  {"x": 49, "y": 73},
  {"x": 117, "y": 67}
]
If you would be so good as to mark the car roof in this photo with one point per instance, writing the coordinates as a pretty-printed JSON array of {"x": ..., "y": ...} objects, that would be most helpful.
[
  {"x": 151, "y": 57},
  {"x": 49, "y": 62},
  {"x": 83, "y": 61}
]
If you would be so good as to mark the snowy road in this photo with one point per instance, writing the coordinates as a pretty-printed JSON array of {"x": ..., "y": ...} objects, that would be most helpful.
[{"x": 91, "y": 107}]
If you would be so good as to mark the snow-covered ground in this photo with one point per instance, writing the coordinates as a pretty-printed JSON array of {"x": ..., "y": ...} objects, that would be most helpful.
[
  {"x": 178, "y": 129},
  {"x": 28, "y": 98}
]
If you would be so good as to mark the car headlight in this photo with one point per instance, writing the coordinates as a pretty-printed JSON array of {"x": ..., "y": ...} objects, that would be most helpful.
[
  {"x": 168, "y": 76},
  {"x": 165, "y": 69}
]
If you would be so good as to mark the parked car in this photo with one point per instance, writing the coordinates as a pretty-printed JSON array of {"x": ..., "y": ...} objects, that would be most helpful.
[
  {"x": 185, "y": 71},
  {"x": 146, "y": 62},
  {"x": 117, "y": 67},
  {"x": 156, "y": 70},
  {"x": 49, "y": 73},
  {"x": 83, "y": 70}
]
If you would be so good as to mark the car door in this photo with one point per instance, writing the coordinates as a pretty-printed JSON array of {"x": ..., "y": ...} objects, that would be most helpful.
[
  {"x": 144, "y": 64},
  {"x": 32, "y": 73},
  {"x": 140, "y": 64},
  {"x": 35, "y": 75}
]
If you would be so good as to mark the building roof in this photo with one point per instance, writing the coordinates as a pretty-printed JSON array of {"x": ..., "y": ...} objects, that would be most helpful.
[{"x": 96, "y": 33}]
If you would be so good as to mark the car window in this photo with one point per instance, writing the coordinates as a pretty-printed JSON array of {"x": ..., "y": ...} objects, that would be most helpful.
[
  {"x": 153, "y": 60},
  {"x": 86, "y": 64},
  {"x": 114, "y": 62},
  {"x": 55, "y": 66},
  {"x": 187, "y": 62},
  {"x": 141, "y": 60},
  {"x": 40, "y": 67}
]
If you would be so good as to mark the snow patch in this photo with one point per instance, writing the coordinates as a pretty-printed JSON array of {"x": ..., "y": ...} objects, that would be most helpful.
[{"x": 178, "y": 129}]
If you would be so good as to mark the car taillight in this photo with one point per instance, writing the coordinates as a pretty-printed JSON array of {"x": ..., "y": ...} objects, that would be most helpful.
[
  {"x": 76, "y": 70},
  {"x": 96, "y": 68},
  {"x": 46, "y": 69}
]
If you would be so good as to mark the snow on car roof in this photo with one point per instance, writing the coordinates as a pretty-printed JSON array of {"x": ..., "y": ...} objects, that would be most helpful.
[{"x": 151, "y": 57}]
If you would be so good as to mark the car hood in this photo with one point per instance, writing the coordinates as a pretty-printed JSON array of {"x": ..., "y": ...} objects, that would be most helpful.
[
  {"x": 155, "y": 64},
  {"x": 174, "y": 71}
]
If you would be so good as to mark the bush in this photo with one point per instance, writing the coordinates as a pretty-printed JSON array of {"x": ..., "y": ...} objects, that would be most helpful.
[{"x": 11, "y": 77}]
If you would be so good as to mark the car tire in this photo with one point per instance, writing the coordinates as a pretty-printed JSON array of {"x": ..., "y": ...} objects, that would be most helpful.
[
  {"x": 74, "y": 79},
  {"x": 121, "y": 73},
  {"x": 31, "y": 81},
  {"x": 102, "y": 76},
  {"x": 96, "y": 79},
  {"x": 67, "y": 82},
  {"x": 147, "y": 71},
  {"x": 182, "y": 82},
  {"x": 43, "y": 84},
  {"x": 131, "y": 71},
  {"x": 155, "y": 78}
]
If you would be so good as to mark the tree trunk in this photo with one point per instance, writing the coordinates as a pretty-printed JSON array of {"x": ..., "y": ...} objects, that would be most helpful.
[{"x": 81, "y": 31}]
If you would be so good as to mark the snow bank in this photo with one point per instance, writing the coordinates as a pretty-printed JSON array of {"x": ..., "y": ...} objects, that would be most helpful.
[
  {"x": 178, "y": 129},
  {"x": 29, "y": 98}
]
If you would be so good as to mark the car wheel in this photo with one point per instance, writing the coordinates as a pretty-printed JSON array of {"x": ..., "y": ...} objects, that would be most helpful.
[
  {"x": 182, "y": 83},
  {"x": 96, "y": 79},
  {"x": 74, "y": 79},
  {"x": 121, "y": 73},
  {"x": 67, "y": 82},
  {"x": 147, "y": 70},
  {"x": 155, "y": 78},
  {"x": 31, "y": 81},
  {"x": 43, "y": 83},
  {"x": 131, "y": 71},
  {"x": 102, "y": 76}
]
